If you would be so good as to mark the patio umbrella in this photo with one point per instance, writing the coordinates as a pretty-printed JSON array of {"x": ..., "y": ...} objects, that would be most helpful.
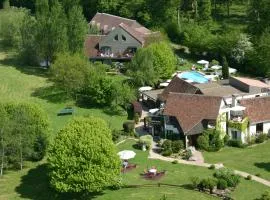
[
  {"x": 203, "y": 62},
  {"x": 216, "y": 67},
  {"x": 232, "y": 70},
  {"x": 145, "y": 88},
  {"x": 126, "y": 154}
]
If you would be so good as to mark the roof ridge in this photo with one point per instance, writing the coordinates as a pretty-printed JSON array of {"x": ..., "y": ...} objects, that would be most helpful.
[
  {"x": 200, "y": 95},
  {"x": 117, "y": 16}
]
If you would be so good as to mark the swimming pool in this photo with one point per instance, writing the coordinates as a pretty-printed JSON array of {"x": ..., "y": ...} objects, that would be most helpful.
[{"x": 194, "y": 76}]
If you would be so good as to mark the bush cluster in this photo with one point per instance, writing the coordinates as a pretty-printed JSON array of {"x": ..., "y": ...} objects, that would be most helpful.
[
  {"x": 261, "y": 138},
  {"x": 129, "y": 126},
  {"x": 169, "y": 147},
  {"x": 145, "y": 140},
  {"x": 227, "y": 175},
  {"x": 208, "y": 183},
  {"x": 210, "y": 140},
  {"x": 235, "y": 143}
]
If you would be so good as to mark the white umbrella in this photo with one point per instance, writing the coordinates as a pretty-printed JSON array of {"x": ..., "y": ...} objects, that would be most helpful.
[
  {"x": 203, "y": 62},
  {"x": 163, "y": 84},
  {"x": 146, "y": 88},
  {"x": 126, "y": 154},
  {"x": 216, "y": 67},
  {"x": 232, "y": 70}
]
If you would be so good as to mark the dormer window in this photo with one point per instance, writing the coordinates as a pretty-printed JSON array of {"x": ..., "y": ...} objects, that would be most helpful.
[
  {"x": 116, "y": 37},
  {"x": 124, "y": 38}
]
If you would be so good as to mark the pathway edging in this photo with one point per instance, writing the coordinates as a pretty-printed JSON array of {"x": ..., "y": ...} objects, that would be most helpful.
[{"x": 153, "y": 155}]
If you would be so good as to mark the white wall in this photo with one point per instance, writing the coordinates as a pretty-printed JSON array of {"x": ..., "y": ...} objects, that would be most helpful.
[
  {"x": 266, "y": 127},
  {"x": 252, "y": 129}
]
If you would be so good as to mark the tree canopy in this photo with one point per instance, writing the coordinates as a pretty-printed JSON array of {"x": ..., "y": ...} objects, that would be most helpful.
[
  {"x": 24, "y": 129},
  {"x": 152, "y": 64},
  {"x": 83, "y": 158}
]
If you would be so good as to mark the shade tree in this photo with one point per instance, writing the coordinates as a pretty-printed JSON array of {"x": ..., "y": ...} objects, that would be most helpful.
[{"x": 82, "y": 158}]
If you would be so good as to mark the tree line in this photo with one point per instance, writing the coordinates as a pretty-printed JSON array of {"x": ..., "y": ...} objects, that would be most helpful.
[{"x": 52, "y": 29}]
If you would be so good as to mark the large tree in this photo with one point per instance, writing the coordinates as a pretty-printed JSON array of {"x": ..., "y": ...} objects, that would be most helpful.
[
  {"x": 69, "y": 72},
  {"x": 83, "y": 158},
  {"x": 52, "y": 31},
  {"x": 141, "y": 68},
  {"x": 24, "y": 130},
  {"x": 152, "y": 64}
]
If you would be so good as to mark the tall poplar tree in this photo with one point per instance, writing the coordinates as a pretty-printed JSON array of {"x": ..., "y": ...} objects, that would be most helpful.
[{"x": 52, "y": 31}]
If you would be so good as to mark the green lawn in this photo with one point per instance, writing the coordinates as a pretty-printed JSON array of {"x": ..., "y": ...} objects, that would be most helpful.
[
  {"x": 254, "y": 160},
  {"x": 33, "y": 183},
  {"x": 30, "y": 84}
]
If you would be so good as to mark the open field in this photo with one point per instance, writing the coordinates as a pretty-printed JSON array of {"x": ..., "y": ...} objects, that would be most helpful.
[{"x": 254, "y": 160}]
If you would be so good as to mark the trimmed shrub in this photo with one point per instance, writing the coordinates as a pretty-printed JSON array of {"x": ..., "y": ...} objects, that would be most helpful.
[
  {"x": 261, "y": 138},
  {"x": 222, "y": 184},
  {"x": 129, "y": 126},
  {"x": 187, "y": 155},
  {"x": 116, "y": 135},
  {"x": 167, "y": 152},
  {"x": 226, "y": 139},
  {"x": 258, "y": 174},
  {"x": 208, "y": 183},
  {"x": 203, "y": 142},
  {"x": 177, "y": 145},
  {"x": 195, "y": 181},
  {"x": 235, "y": 143},
  {"x": 136, "y": 118},
  {"x": 228, "y": 175},
  {"x": 212, "y": 166},
  {"x": 146, "y": 140},
  {"x": 167, "y": 144},
  {"x": 175, "y": 162},
  {"x": 249, "y": 177}
]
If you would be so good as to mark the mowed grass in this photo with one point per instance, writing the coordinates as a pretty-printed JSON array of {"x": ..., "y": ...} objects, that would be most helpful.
[
  {"x": 254, "y": 160},
  {"x": 22, "y": 84},
  {"x": 177, "y": 174}
]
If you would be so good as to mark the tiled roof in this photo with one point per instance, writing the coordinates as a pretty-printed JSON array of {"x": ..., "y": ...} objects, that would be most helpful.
[
  {"x": 257, "y": 109},
  {"x": 215, "y": 89},
  {"x": 137, "y": 35},
  {"x": 178, "y": 85},
  {"x": 252, "y": 82},
  {"x": 107, "y": 22},
  {"x": 191, "y": 109},
  {"x": 91, "y": 45}
]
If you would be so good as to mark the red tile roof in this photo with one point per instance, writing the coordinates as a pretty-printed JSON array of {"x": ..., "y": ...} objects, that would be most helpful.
[
  {"x": 191, "y": 109},
  {"x": 137, "y": 35},
  {"x": 91, "y": 45},
  {"x": 257, "y": 109},
  {"x": 178, "y": 85},
  {"x": 107, "y": 22}
]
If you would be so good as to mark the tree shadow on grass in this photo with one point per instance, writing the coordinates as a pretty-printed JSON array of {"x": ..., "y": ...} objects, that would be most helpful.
[
  {"x": 35, "y": 185},
  {"x": 51, "y": 94},
  {"x": 263, "y": 165},
  {"x": 13, "y": 61}
]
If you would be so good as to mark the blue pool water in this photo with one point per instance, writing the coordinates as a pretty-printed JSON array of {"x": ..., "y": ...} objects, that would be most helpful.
[{"x": 194, "y": 76}]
